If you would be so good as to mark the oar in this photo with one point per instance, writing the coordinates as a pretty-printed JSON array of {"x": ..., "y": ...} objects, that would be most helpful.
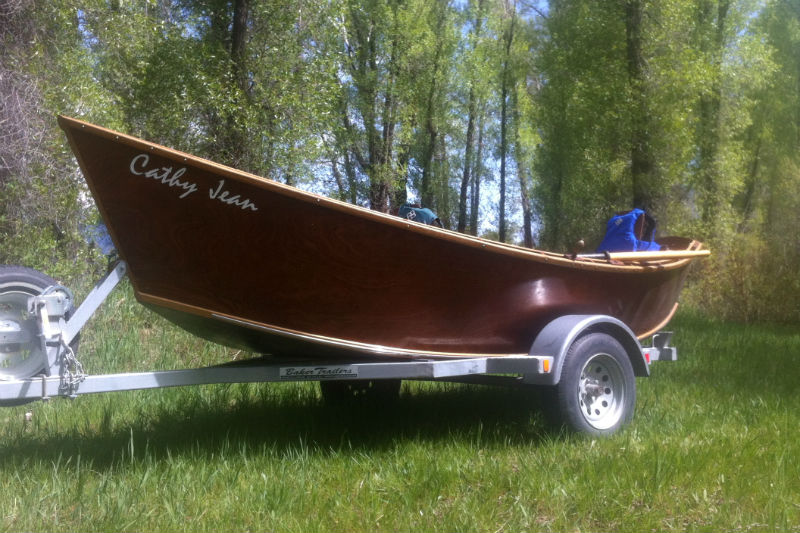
[{"x": 645, "y": 256}]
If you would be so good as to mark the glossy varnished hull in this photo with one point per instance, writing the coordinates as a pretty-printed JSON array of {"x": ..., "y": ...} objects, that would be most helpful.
[{"x": 248, "y": 262}]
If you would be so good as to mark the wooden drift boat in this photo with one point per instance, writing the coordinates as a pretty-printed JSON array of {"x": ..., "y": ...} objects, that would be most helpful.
[{"x": 248, "y": 262}]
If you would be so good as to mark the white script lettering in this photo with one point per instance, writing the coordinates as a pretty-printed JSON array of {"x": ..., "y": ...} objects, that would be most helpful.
[
  {"x": 165, "y": 175},
  {"x": 226, "y": 198}
]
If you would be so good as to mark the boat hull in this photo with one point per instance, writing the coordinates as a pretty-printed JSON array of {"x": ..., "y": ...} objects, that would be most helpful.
[{"x": 248, "y": 262}]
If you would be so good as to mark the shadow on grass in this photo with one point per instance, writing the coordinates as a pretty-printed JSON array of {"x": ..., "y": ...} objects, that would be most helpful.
[{"x": 255, "y": 418}]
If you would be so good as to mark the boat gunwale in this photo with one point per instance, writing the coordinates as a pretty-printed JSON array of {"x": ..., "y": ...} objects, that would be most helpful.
[{"x": 531, "y": 254}]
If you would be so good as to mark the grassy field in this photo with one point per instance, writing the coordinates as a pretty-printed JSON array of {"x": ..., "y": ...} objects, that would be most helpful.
[{"x": 714, "y": 445}]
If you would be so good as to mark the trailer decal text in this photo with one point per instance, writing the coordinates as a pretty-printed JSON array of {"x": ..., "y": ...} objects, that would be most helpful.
[{"x": 303, "y": 373}]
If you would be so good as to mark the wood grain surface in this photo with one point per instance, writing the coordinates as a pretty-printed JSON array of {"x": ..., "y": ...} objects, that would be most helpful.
[{"x": 246, "y": 261}]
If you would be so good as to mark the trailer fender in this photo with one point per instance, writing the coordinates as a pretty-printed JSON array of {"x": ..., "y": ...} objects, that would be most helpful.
[{"x": 556, "y": 338}]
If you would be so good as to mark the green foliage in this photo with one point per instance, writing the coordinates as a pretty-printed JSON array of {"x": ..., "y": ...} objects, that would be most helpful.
[
  {"x": 43, "y": 197},
  {"x": 757, "y": 255},
  {"x": 582, "y": 159},
  {"x": 753, "y": 281},
  {"x": 175, "y": 76},
  {"x": 714, "y": 81},
  {"x": 690, "y": 108}
]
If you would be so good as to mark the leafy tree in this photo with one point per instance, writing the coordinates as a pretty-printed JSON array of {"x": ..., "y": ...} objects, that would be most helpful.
[
  {"x": 755, "y": 273},
  {"x": 375, "y": 48},
  {"x": 570, "y": 110},
  {"x": 43, "y": 69},
  {"x": 583, "y": 160},
  {"x": 476, "y": 26}
]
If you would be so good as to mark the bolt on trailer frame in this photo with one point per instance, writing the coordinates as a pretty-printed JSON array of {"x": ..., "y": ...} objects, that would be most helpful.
[{"x": 604, "y": 381}]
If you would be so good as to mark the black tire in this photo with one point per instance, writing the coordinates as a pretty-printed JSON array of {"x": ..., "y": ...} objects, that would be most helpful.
[
  {"x": 17, "y": 283},
  {"x": 597, "y": 391},
  {"x": 360, "y": 390}
]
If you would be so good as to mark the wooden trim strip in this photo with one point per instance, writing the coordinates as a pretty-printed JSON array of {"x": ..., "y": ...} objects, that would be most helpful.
[
  {"x": 660, "y": 325},
  {"x": 657, "y": 256},
  {"x": 371, "y": 349}
]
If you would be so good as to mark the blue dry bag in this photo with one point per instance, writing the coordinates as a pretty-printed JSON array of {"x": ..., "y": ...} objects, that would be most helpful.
[{"x": 633, "y": 231}]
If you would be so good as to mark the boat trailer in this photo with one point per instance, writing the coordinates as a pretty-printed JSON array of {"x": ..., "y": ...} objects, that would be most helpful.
[{"x": 596, "y": 355}]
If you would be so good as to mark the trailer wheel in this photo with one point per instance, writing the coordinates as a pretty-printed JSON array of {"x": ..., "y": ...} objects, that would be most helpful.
[
  {"x": 20, "y": 360},
  {"x": 597, "y": 391},
  {"x": 360, "y": 390}
]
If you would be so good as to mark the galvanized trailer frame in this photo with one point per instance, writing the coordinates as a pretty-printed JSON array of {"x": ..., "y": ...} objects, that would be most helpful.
[{"x": 556, "y": 361}]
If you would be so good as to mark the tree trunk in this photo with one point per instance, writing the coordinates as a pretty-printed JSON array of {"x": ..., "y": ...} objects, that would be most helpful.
[
  {"x": 241, "y": 9},
  {"x": 467, "y": 180},
  {"x": 431, "y": 119},
  {"x": 465, "y": 177},
  {"x": 506, "y": 85},
  {"x": 642, "y": 161},
  {"x": 477, "y": 174},
  {"x": 710, "y": 119},
  {"x": 426, "y": 192},
  {"x": 527, "y": 214}
]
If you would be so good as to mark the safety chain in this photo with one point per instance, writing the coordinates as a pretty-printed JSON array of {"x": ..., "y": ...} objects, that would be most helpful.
[{"x": 72, "y": 373}]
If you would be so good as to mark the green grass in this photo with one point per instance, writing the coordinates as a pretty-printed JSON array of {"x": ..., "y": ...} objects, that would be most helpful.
[{"x": 714, "y": 446}]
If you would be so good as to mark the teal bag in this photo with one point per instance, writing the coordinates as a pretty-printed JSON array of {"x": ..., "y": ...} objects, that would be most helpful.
[{"x": 422, "y": 215}]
